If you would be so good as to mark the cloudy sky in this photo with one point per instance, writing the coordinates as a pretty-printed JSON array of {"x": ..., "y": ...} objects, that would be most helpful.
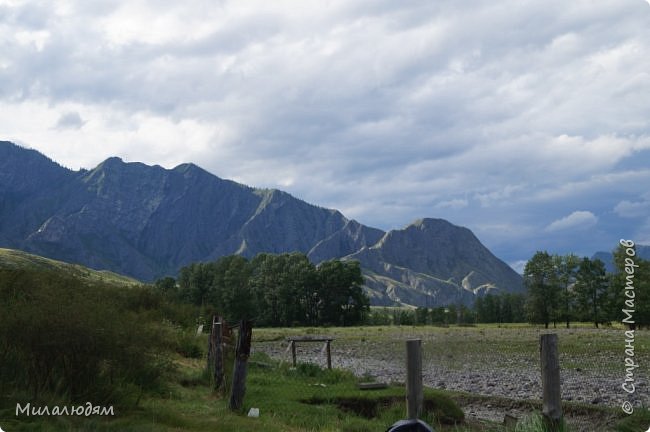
[{"x": 526, "y": 121}]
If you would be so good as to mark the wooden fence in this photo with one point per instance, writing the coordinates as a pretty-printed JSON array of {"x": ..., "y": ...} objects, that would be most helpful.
[{"x": 219, "y": 343}]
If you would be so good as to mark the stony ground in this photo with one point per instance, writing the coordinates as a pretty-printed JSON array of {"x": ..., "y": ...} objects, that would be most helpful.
[{"x": 498, "y": 363}]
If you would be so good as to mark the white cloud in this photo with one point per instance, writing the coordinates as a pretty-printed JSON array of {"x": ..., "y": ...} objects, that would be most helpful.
[
  {"x": 576, "y": 220},
  {"x": 629, "y": 209},
  {"x": 455, "y": 204},
  {"x": 390, "y": 111}
]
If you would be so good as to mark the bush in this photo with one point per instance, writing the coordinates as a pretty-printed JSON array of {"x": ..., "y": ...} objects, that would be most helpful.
[
  {"x": 63, "y": 336},
  {"x": 189, "y": 345}
]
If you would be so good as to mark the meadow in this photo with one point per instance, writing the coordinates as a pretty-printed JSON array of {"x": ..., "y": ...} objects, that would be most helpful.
[
  {"x": 311, "y": 398},
  {"x": 71, "y": 336}
]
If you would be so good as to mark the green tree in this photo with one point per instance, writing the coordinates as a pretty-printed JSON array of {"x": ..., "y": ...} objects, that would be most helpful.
[
  {"x": 233, "y": 284},
  {"x": 540, "y": 278},
  {"x": 591, "y": 289},
  {"x": 566, "y": 267},
  {"x": 341, "y": 297},
  {"x": 195, "y": 282},
  {"x": 439, "y": 316},
  {"x": 266, "y": 285},
  {"x": 513, "y": 307},
  {"x": 286, "y": 289},
  {"x": 630, "y": 288},
  {"x": 421, "y": 315}
]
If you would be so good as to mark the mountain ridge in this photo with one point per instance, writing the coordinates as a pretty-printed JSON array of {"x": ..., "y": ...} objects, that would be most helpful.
[{"x": 148, "y": 221}]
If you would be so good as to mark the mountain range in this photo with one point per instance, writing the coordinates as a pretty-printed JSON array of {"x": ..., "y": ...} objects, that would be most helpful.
[
  {"x": 642, "y": 251},
  {"x": 147, "y": 221}
]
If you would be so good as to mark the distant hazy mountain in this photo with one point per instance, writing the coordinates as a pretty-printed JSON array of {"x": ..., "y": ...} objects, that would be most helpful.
[
  {"x": 642, "y": 251},
  {"x": 146, "y": 221}
]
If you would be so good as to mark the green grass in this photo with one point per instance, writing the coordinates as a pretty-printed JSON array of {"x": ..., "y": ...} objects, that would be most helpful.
[
  {"x": 303, "y": 399},
  {"x": 15, "y": 259},
  {"x": 637, "y": 422},
  {"x": 483, "y": 346}
]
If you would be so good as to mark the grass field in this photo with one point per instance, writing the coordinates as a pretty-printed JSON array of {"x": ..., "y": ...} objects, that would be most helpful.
[
  {"x": 487, "y": 345},
  {"x": 309, "y": 398},
  {"x": 15, "y": 259}
]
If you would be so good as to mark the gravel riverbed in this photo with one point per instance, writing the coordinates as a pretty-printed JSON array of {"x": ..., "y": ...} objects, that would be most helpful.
[{"x": 514, "y": 379}]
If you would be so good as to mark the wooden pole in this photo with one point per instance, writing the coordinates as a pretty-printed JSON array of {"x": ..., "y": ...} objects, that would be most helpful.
[
  {"x": 240, "y": 369},
  {"x": 414, "y": 392},
  {"x": 550, "y": 361},
  {"x": 211, "y": 344},
  {"x": 293, "y": 352},
  {"x": 329, "y": 356},
  {"x": 218, "y": 355}
]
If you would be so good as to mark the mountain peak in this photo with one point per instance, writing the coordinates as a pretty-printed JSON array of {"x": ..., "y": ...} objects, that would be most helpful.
[
  {"x": 187, "y": 167},
  {"x": 147, "y": 222}
]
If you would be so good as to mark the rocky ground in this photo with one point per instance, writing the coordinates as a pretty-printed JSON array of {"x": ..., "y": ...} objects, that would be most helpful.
[{"x": 501, "y": 386}]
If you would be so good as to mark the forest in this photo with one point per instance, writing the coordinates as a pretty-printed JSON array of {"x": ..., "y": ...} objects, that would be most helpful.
[{"x": 274, "y": 290}]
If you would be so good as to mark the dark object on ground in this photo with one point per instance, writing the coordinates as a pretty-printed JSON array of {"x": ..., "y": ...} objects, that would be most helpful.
[
  {"x": 410, "y": 426},
  {"x": 372, "y": 386}
]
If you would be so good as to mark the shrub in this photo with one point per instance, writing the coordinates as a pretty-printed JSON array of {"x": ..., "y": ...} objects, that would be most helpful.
[{"x": 85, "y": 342}]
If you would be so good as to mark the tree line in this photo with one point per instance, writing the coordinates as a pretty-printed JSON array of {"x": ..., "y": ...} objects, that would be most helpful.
[
  {"x": 274, "y": 290},
  {"x": 565, "y": 288},
  {"x": 288, "y": 290}
]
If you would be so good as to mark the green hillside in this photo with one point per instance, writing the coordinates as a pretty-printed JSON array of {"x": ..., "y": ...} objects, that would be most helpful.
[{"x": 15, "y": 259}]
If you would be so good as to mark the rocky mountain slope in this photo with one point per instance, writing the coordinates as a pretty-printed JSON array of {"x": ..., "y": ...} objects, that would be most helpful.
[
  {"x": 433, "y": 262},
  {"x": 146, "y": 221}
]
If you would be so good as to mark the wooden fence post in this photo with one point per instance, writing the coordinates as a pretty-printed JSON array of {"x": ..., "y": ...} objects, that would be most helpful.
[
  {"x": 211, "y": 345},
  {"x": 218, "y": 355},
  {"x": 329, "y": 355},
  {"x": 414, "y": 392},
  {"x": 293, "y": 352},
  {"x": 240, "y": 369},
  {"x": 552, "y": 401}
]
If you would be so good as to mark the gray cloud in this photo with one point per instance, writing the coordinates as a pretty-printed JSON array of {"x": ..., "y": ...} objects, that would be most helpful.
[
  {"x": 70, "y": 120},
  {"x": 500, "y": 116}
]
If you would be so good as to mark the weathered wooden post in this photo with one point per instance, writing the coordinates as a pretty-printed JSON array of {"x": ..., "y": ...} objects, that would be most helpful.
[
  {"x": 211, "y": 345},
  {"x": 240, "y": 369},
  {"x": 414, "y": 392},
  {"x": 218, "y": 354},
  {"x": 550, "y": 361},
  {"x": 329, "y": 355},
  {"x": 293, "y": 352}
]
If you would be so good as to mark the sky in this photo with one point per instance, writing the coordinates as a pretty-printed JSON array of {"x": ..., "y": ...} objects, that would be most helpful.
[{"x": 526, "y": 121}]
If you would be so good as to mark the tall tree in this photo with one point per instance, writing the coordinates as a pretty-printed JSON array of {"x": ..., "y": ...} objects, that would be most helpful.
[
  {"x": 342, "y": 300},
  {"x": 630, "y": 288},
  {"x": 591, "y": 289},
  {"x": 541, "y": 281},
  {"x": 566, "y": 267}
]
